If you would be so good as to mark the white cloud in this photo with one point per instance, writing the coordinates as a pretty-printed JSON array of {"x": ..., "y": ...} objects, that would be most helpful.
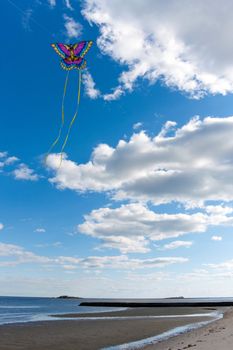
[
  {"x": 12, "y": 255},
  {"x": 1, "y": 226},
  {"x": 3, "y": 154},
  {"x": 216, "y": 238},
  {"x": 52, "y": 3},
  {"x": 115, "y": 95},
  {"x": 46, "y": 245},
  {"x": 18, "y": 255},
  {"x": 23, "y": 172},
  {"x": 69, "y": 267},
  {"x": 177, "y": 244},
  {"x": 73, "y": 28},
  {"x": 89, "y": 86},
  {"x": 120, "y": 262},
  {"x": 168, "y": 126},
  {"x": 131, "y": 227},
  {"x": 68, "y": 5},
  {"x": 40, "y": 230},
  {"x": 7, "y": 160},
  {"x": 218, "y": 209},
  {"x": 224, "y": 266},
  {"x": 156, "y": 168},
  {"x": 134, "y": 244},
  {"x": 137, "y": 126},
  {"x": 183, "y": 43},
  {"x": 11, "y": 160}
]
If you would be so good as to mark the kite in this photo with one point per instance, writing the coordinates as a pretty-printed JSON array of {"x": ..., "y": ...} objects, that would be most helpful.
[{"x": 72, "y": 57}]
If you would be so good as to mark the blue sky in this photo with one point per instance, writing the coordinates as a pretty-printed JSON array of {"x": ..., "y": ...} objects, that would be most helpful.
[{"x": 142, "y": 203}]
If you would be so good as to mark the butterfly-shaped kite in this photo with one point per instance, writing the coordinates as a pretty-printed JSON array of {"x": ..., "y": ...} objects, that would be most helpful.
[
  {"x": 72, "y": 58},
  {"x": 72, "y": 54}
]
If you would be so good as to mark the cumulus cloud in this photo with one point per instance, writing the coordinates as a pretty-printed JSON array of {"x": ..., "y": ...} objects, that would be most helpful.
[
  {"x": 131, "y": 227},
  {"x": 182, "y": 43},
  {"x": 157, "y": 169},
  {"x": 216, "y": 238},
  {"x": 23, "y": 172},
  {"x": 89, "y": 86},
  {"x": 73, "y": 28},
  {"x": 134, "y": 244},
  {"x": 1, "y": 226}
]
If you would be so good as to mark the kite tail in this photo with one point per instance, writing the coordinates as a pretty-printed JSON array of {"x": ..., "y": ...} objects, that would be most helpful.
[
  {"x": 74, "y": 117},
  {"x": 62, "y": 118}
]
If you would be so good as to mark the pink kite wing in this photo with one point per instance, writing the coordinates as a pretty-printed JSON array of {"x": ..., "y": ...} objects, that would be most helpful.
[
  {"x": 61, "y": 49},
  {"x": 81, "y": 48}
]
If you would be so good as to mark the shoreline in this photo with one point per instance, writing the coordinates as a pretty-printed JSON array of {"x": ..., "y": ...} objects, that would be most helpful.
[
  {"x": 104, "y": 332},
  {"x": 214, "y": 336},
  {"x": 161, "y": 338}
]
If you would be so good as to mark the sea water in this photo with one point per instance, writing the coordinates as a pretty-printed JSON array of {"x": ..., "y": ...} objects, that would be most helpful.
[{"x": 29, "y": 309}]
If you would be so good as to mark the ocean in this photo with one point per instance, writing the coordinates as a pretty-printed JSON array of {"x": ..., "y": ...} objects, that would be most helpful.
[{"x": 29, "y": 309}]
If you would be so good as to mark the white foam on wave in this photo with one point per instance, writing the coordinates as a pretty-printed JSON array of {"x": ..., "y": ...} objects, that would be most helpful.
[{"x": 166, "y": 335}]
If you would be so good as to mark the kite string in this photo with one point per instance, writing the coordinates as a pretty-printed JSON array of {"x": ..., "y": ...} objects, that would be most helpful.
[
  {"x": 74, "y": 117},
  {"x": 63, "y": 98},
  {"x": 62, "y": 117}
]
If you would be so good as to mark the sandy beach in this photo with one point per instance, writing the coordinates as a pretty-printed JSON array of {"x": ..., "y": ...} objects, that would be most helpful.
[
  {"x": 215, "y": 336},
  {"x": 92, "y": 334}
]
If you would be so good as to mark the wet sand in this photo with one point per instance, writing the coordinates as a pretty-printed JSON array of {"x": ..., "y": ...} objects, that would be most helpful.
[
  {"x": 144, "y": 311},
  {"x": 92, "y": 334}
]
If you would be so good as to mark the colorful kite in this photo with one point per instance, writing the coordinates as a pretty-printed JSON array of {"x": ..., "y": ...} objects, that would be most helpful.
[{"x": 72, "y": 58}]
